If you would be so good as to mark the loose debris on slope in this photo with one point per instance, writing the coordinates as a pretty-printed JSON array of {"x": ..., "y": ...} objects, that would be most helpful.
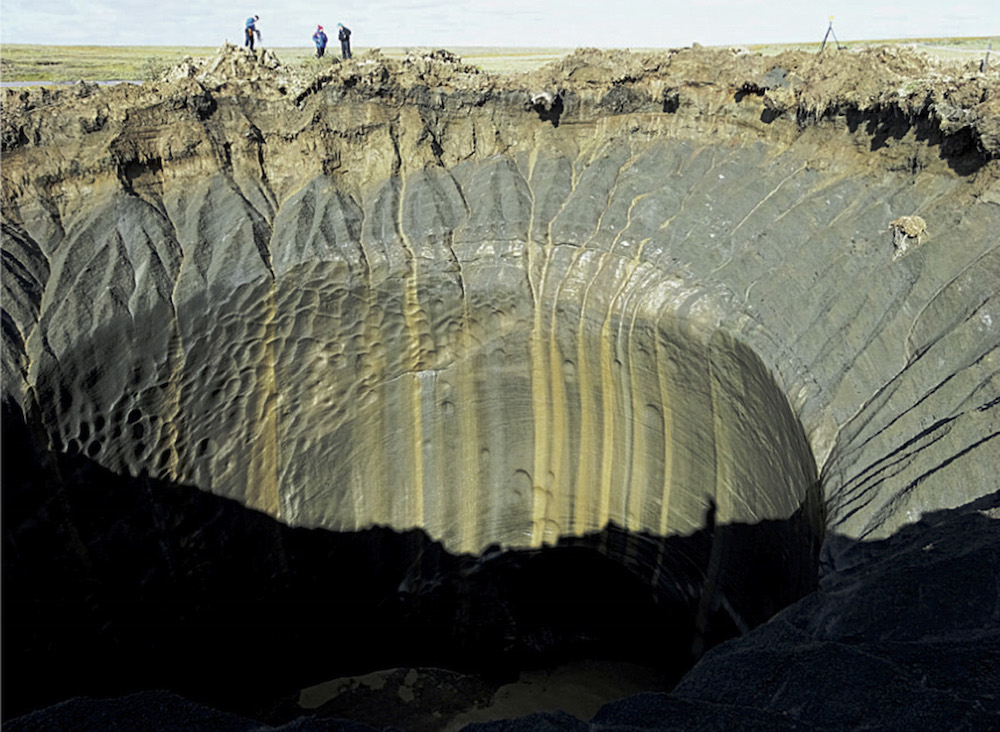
[{"x": 808, "y": 87}]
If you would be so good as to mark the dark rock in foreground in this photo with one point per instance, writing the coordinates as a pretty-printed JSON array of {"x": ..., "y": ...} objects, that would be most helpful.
[{"x": 907, "y": 639}]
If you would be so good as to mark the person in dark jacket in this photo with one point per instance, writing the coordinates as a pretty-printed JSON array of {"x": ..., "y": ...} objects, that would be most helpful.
[
  {"x": 319, "y": 38},
  {"x": 250, "y": 30},
  {"x": 344, "y": 35}
]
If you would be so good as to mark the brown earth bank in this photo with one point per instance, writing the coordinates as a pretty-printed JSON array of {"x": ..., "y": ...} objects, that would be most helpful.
[
  {"x": 394, "y": 363},
  {"x": 890, "y": 89}
]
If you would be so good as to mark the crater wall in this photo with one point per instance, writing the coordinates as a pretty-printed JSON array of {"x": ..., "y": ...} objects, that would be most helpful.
[
  {"x": 668, "y": 295},
  {"x": 488, "y": 389},
  {"x": 460, "y": 314}
]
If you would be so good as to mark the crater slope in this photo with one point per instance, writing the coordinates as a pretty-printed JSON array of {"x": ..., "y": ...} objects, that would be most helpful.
[{"x": 658, "y": 292}]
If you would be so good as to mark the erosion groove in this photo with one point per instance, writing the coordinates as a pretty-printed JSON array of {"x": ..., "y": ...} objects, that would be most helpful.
[{"x": 658, "y": 293}]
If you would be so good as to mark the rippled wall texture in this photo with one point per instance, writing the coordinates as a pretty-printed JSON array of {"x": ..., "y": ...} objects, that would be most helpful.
[{"x": 500, "y": 328}]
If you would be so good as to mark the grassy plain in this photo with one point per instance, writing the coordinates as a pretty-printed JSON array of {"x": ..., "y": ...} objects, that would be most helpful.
[
  {"x": 27, "y": 63},
  {"x": 91, "y": 63},
  {"x": 949, "y": 48}
]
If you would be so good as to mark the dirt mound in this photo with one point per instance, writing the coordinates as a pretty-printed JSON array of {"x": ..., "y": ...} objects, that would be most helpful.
[
  {"x": 889, "y": 89},
  {"x": 375, "y": 75},
  {"x": 895, "y": 83},
  {"x": 877, "y": 78},
  {"x": 233, "y": 66},
  {"x": 806, "y": 86},
  {"x": 437, "y": 65}
]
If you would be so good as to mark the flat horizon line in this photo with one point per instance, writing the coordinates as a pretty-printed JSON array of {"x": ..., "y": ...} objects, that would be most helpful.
[{"x": 985, "y": 38}]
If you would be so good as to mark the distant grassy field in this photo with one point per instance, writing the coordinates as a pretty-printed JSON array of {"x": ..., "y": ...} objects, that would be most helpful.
[
  {"x": 951, "y": 48},
  {"x": 26, "y": 63},
  {"x": 90, "y": 63}
]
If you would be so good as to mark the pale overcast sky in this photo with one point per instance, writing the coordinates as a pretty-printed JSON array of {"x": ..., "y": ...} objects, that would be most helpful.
[{"x": 452, "y": 23}]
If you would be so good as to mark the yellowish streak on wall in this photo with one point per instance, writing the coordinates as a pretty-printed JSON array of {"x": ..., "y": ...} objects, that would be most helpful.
[
  {"x": 638, "y": 482},
  {"x": 262, "y": 473},
  {"x": 373, "y": 368},
  {"x": 557, "y": 494},
  {"x": 414, "y": 509},
  {"x": 663, "y": 377},
  {"x": 470, "y": 482},
  {"x": 584, "y": 505}
]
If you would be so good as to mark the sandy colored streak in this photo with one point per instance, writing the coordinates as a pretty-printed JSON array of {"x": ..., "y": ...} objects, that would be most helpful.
[
  {"x": 611, "y": 196},
  {"x": 628, "y": 224},
  {"x": 541, "y": 406},
  {"x": 705, "y": 176},
  {"x": 172, "y": 424},
  {"x": 584, "y": 498},
  {"x": 559, "y": 433},
  {"x": 634, "y": 449},
  {"x": 667, "y": 415},
  {"x": 688, "y": 192},
  {"x": 470, "y": 483},
  {"x": 666, "y": 389},
  {"x": 607, "y": 381},
  {"x": 536, "y": 356},
  {"x": 723, "y": 497},
  {"x": 635, "y": 436},
  {"x": 766, "y": 198},
  {"x": 543, "y": 393},
  {"x": 262, "y": 474},
  {"x": 411, "y": 306},
  {"x": 572, "y": 189},
  {"x": 375, "y": 368},
  {"x": 809, "y": 195},
  {"x": 608, "y": 394},
  {"x": 542, "y": 522}
]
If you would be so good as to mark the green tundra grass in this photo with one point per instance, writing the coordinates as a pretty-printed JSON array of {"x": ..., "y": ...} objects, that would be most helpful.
[{"x": 27, "y": 63}]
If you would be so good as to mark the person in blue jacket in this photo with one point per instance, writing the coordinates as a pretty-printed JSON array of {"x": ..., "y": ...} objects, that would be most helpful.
[
  {"x": 319, "y": 38},
  {"x": 251, "y": 30},
  {"x": 344, "y": 36}
]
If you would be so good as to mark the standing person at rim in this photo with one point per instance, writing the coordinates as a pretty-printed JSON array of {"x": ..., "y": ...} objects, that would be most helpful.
[
  {"x": 344, "y": 35},
  {"x": 250, "y": 30},
  {"x": 319, "y": 38}
]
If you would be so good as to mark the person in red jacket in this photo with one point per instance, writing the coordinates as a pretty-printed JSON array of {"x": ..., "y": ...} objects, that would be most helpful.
[{"x": 319, "y": 38}]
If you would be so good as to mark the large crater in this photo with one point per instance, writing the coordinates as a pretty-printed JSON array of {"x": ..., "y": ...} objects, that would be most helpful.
[{"x": 507, "y": 378}]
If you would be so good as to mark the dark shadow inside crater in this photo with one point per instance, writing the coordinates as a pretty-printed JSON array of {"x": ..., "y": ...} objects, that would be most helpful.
[{"x": 114, "y": 584}]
